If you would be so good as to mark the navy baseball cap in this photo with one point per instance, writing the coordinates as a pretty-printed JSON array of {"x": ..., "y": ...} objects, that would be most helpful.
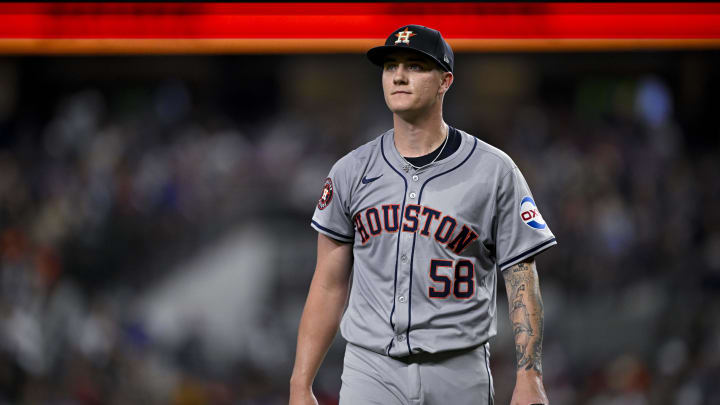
[{"x": 424, "y": 40}]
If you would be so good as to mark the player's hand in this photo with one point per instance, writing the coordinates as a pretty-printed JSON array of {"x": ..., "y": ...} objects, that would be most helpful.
[
  {"x": 302, "y": 396},
  {"x": 529, "y": 390}
]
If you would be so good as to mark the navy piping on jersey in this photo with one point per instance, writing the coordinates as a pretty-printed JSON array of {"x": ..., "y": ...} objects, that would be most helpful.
[
  {"x": 412, "y": 252},
  {"x": 330, "y": 231},
  {"x": 487, "y": 367},
  {"x": 527, "y": 252},
  {"x": 397, "y": 252}
]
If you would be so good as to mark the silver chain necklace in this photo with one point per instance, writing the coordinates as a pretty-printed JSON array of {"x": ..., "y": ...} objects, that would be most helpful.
[{"x": 408, "y": 165}]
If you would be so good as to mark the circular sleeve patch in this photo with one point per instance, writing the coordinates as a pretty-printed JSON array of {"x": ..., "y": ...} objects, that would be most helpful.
[
  {"x": 327, "y": 194},
  {"x": 530, "y": 214}
]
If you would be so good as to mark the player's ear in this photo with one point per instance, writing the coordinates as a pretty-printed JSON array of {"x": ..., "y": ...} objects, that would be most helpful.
[{"x": 446, "y": 82}]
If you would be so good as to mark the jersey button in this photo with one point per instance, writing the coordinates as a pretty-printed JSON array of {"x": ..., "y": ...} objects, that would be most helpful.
[
  {"x": 401, "y": 299},
  {"x": 412, "y": 195},
  {"x": 403, "y": 258},
  {"x": 401, "y": 338},
  {"x": 415, "y": 177}
]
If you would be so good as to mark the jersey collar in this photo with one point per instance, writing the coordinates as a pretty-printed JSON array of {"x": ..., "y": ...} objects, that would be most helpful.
[{"x": 396, "y": 160}]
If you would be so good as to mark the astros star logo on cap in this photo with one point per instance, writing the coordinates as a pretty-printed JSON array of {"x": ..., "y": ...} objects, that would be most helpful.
[{"x": 404, "y": 36}]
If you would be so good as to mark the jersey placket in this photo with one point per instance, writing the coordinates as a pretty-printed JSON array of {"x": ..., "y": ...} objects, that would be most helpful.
[{"x": 403, "y": 294}]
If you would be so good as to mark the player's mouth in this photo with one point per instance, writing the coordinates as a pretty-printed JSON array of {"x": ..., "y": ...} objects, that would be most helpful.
[{"x": 401, "y": 92}]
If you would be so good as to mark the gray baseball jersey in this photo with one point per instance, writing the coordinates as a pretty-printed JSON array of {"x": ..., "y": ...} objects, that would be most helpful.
[{"x": 427, "y": 243}]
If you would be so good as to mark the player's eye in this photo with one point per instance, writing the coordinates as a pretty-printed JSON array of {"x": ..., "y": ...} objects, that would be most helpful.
[
  {"x": 419, "y": 67},
  {"x": 390, "y": 66}
]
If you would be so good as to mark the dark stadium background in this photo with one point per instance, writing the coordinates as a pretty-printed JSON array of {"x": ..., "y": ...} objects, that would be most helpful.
[{"x": 155, "y": 244}]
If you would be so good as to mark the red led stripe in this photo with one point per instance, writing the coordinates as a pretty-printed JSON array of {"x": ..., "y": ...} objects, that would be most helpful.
[{"x": 358, "y": 20}]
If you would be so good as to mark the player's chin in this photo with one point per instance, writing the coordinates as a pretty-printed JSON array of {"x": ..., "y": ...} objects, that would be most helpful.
[{"x": 401, "y": 107}]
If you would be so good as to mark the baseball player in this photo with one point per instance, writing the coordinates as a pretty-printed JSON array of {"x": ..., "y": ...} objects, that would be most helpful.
[{"x": 422, "y": 219}]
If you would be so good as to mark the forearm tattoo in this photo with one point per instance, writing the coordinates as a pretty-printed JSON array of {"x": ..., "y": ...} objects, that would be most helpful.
[{"x": 526, "y": 315}]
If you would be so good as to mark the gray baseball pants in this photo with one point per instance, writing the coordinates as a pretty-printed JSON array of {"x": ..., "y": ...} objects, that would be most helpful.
[{"x": 460, "y": 378}]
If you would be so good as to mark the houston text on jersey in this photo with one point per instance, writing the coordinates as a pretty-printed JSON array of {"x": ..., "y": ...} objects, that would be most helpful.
[{"x": 417, "y": 218}]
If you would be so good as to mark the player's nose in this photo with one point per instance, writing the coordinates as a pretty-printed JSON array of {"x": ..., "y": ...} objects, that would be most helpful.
[{"x": 400, "y": 75}]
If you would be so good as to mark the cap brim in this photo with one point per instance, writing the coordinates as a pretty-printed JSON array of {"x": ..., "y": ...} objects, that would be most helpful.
[{"x": 379, "y": 54}]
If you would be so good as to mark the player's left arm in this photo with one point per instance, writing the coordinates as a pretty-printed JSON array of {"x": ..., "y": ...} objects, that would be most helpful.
[{"x": 526, "y": 316}]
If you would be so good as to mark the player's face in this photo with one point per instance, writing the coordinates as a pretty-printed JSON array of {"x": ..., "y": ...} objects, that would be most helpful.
[{"x": 413, "y": 84}]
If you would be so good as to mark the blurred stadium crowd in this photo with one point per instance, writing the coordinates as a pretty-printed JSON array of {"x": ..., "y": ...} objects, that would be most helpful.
[{"x": 121, "y": 179}]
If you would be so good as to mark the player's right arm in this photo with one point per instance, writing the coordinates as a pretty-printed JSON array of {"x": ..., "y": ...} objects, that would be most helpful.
[{"x": 321, "y": 316}]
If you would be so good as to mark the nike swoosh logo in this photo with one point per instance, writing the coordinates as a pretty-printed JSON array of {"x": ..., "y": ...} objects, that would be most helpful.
[{"x": 365, "y": 180}]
